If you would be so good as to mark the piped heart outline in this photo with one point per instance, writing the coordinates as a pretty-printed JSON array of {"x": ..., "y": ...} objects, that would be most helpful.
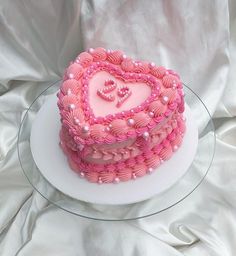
[{"x": 127, "y": 77}]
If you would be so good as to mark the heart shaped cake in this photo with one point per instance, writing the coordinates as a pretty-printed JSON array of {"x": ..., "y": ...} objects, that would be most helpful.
[{"x": 121, "y": 118}]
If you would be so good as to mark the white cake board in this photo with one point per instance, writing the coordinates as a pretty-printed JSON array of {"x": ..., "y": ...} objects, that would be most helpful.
[{"x": 52, "y": 163}]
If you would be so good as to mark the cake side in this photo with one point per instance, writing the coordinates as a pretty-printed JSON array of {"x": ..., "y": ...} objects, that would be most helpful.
[{"x": 116, "y": 112}]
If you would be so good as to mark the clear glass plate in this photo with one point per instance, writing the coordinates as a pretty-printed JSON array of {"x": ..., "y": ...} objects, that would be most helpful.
[{"x": 178, "y": 192}]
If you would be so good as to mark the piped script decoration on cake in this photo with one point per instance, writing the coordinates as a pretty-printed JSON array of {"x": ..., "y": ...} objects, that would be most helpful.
[{"x": 120, "y": 118}]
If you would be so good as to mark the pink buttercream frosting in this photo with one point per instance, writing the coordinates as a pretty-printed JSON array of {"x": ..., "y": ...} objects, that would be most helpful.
[
  {"x": 99, "y": 54},
  {"x": 120, "y": 117}
]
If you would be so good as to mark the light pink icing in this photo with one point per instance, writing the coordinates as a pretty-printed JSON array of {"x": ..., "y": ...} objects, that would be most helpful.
[
  {"x": 159, "y": 72},
  {"x": 70, "y": 100},
  {"x": 75, "y": 71},
  {"x": 70, "y": 86},
  {"x": 141, "y": 120},
  {"x": 141, "y": 67},
  {"x": 140, "y": 92},
  {"x": 119, "y": 127},
  {"x": 153, "y": 161},
  {"x": 170, "y": 80},
  {"x": 157, "y": 108},
  {"x": 115, "y": 57},
  {"x": 125, "y": 174},
  {"x": 140, "y": 170},
  {"x": 98, "y": 131},
  {"x": 127, "y": 65},
  {"x": 85, "y": 59},
  {"x": 99, "y": 54},
  {"x": 166, "y": 153}
]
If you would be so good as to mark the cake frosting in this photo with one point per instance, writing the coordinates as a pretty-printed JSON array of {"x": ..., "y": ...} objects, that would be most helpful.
[{"x": 121, "y": 118}]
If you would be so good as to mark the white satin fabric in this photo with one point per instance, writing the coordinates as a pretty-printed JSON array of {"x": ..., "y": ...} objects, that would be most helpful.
[{"x": 198, "y": 40}]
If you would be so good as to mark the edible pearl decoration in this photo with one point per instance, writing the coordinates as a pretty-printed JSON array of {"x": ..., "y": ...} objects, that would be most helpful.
[
  {"x": 134, "y": 176},
  {"x": 71, "y": 76},
  {"x": 107, "y": 129},
  {"x": 124, "y": 56},
  {"x": 152, "y": 64},
  {"x": 91, "y": 50},
  {"x": 175, "y": 148},
  {"x": 150, "y": 170},
  {"x": 174, "y": 85},
  {"x": 146, "y": 135},
  {"x": 165, "y": 99},
  {"x": 100, "y": 180},
  {"x": 151, "y": 114},
  {"x": 76, "y": 121},
  {"x": 82, "y": 174},
  {"x": 130, "y": 122},
  {"x": 85, "y": 129},
  {"x": 71, "y": 106},
  {"x": 116, "y": 180}
]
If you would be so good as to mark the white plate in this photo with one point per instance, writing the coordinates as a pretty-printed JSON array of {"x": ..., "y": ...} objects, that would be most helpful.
[{"x": 52, "y": 163}]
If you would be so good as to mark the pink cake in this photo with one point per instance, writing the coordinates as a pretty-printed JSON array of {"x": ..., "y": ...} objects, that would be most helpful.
[{"x": 121, "y": 118}]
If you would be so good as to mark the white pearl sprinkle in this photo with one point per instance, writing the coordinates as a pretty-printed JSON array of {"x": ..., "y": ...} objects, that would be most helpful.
[
  {"x": 165, "y": 98},
  {"x": 107, "y": 129},
  {"x": 174, "y": 85},
  {"x": 161, "y": 161},
  {"x": 145, "y": 135},
  {"x": 71, "y": 106},
  {"x": 151, "y": 114},
  {"x": 130, "y": 122},
  {"x": 91, "y": 50},
  {"x": 175, "y": 148},
  {"x": 85, "y": 129},
  {"x": 76, "y": 121},
  {"x": 116, "y": 180},
  {"x": 124, "y": 57},
  {"x": 134, "y": 176},
  {"x": 152, "y": 64},
  {"x": 150, "y": 170},
  {"x": 71, "y": 75},
  {"x": 80, "y": 147},
  {"x": 82, "y": 174},
  {"x": 100, "y": 180}
]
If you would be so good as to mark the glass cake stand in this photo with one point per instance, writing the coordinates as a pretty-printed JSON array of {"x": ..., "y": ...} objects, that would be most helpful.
[{"x": 181, "y": 189}]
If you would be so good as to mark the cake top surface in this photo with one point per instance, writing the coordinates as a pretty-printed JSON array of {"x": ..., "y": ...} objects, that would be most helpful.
[{"x": 107, "y": 97}]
